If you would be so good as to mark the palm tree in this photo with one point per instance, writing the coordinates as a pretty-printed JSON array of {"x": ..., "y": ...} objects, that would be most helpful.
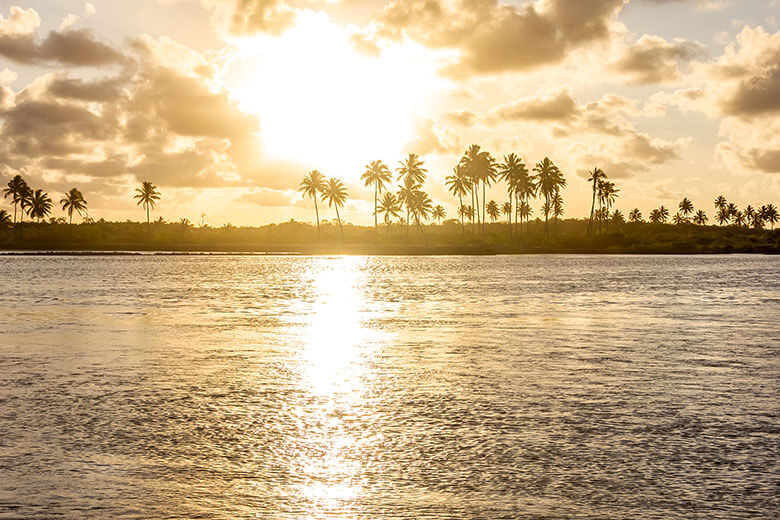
[
  {"x": 723, "y": 216},
  {"x": 770, "y": 214},
  {"x": 377, "y": 174},
  {"x": 678, "y": 219},
  {"x": 557, "y": 210},
  {"x": 390, "y": 207},
  {"x": 406, "y": 197},
  {"x": 457, "y": 184},
  {"x": 311, "y": 186},
  {"x": 635, "y": 215},
  {"x": 506, "y": 209},
  {"x": 607, "y": 194},
  {"x": 493, "y": 211},
  {"x": 720, "y": 202},
  {"x": 617, "y": 217},
  {"x": 480, "y": 167},
  {"x": 655, "y": 216},
  {"x": 686, "y": 207},
  {"x": 664, "y": 213},
  {"x": 5, "y": 220},
  {"x": 73, "y": 201},
  {"x": 525, "y": 211},
  {"x": 40, "y": 205},
  {"x": 731, "y": 209},
  {"x": 411, "y": 170},
  {"x": 439, "y": 213},
  {"x": 549, "y": 180},
  {"x": 511, "y": 171},
  {"x": 17, "y": 188},
  {"x": 750, "y": 213},
  {"x": 738, "y": 218},
  {"x": 700, "y": 218},
  {"x": 421, "y": 207},
  {"x": 147, "y": 195},
  {"x": 596, "y": 176},
  {"x": 335, "y": 193}
]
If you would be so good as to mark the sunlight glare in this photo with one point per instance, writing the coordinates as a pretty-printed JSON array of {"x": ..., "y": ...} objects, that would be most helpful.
[{"x": 320, "y": 100}]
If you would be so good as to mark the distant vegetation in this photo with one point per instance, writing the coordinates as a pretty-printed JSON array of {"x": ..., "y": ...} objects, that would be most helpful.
[{"x": 511, "y": 227}]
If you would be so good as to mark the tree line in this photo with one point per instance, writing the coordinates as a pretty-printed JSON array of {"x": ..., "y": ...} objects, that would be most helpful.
[{"x": 407, "y": 203}]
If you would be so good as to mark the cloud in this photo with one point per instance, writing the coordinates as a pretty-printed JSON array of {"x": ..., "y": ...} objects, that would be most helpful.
[
  {"x": 553, "y": 105},
  {"x": 654, "y": 60},
  {"x": 74, "y": 47},
  {"x": 493, "y": 36},
  {"x": 431, "y": 139}
]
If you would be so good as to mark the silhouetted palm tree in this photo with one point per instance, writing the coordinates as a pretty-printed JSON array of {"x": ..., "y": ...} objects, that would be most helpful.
[
  {"x": 39, "y": 206},
  {"x": 506, "y": 209},
  {"x": 147, "y": 195},
  {"x": 17, "y": 188},
  {"x": 635, "y": 215},
  {"x": 481, "y": 168},
  {"x": 617, "y": 217},
  {"x": 421, "y": 207},
  {"x": 738, "y": 218},
  {"x": 311, "y": 186},
  {"x": 596, "y": 176},
  {"x": 406, "y": 197},
  {"x": 73, "y": 201},
  {"x": 664, "y": 214},
  {"x": 607, "y": 195},
  {"x": 390, "y": 207},
  {"x": 5, "y": 220},
  {"x": 439, "y": 213},
  {"x": 411, "y": 170},
  {"x": 335, "y": 193},
  {"x": 770, "y": 214},
  {"x": 556, "y": 203},
  {"x": 525, "y": 211},
  {"x": 549, "y": 180},
  {"x": 377, "y": 174},
  {"x": 655, "y": 216},
  {"x": 700, "y": 218},
  {"x": 458, "y": 185},
  {"x": 678, "y": 219},
  {"x": 511, "y": 171},
  {"x": 686, "y": 207},
  {"x": 723, "y": 216},
  {"x": 493, "y": 211},
  {"x": 720, "y": 202}
]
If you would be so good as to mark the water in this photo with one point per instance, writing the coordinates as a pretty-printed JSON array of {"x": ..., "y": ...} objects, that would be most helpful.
[{"x": 448, "y": 387}]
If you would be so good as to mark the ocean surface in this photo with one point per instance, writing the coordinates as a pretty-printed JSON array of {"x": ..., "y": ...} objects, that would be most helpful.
[{"x": 642, "y": 387}]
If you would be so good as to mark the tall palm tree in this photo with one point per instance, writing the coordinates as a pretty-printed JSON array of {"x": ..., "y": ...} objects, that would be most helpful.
[
  {"x": 390, "y": 207},
  {"x": 770, "y": 214},
  {"x": 686, "y": 207},
  {"x": 406, "y": 196},
  {"x": 493, "y": 211},
  {"x": 411, "y": 170},
  {"x": 511, "y": 171},
  {"x": 73, "y": 201},
  {"x": 596, "y": 176},
  {"x": 311, "y": 186},
  {"x": 17, "y": 187},
  {"x": 635, "y": 215},
  {"x": 335, "y": 193},
  {"x": 700, "y": 218},
  {"x": 439, "y": 213},
  {"x": 458, "y": 185},
  {"x": 607, "y": 196},
  {"x": 549, "y": 180},
  {"x": 147, "y": 195},
  {"x": 39, "y": 206},
  {"x": 378, "y": 175}
]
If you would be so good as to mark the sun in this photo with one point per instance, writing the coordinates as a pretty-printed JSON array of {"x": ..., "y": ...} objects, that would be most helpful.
[{"x": 322, "y": 102}]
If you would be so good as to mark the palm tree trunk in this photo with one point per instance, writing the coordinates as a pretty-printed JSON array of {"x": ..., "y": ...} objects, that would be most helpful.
[
  {"x": 148, "y": 225},
  {"x": 592, "y": 206},
  {"x": 546, "y": 214},
  {"x": 407, "y": 223},
  {"x": 376, "y": 224},
  {"x": 483, "y": 209},
  {"x": 341, "y": 228},
  {"x": 317, "y": 213},
  {"x": 460, "y": 210}
]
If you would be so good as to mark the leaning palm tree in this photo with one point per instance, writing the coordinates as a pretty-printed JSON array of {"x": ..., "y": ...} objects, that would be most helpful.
[
  {"x": 311, "y": 186},
  {"x": 549, "y": 180},
  {"x": 147, "y": 195},
  {"x": 686, "y": 207},
  {"x": 439, "y": 213},
  {"x": 635, "y": 215},
  {"x": 493, "y": 211},
  {"x": 39, "y": 206},
  {"x": 378, "y": 175},
  {"x": 458, "y": 185},
  {"x": 73, "y": 201},
  {"x": 700, "y": 218},
  {"x": 390, "y": 207},
  {"x": 596, "y": 176},
  {"x": 17, "y": 187},
  {"x": 335, "y": 193}
]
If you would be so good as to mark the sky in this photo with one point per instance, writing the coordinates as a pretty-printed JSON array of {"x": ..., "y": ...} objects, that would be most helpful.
[{"x": 226, "y": 104}]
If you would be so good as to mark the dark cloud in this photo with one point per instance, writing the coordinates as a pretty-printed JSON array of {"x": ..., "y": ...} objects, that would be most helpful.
[
  {"x": 768, "y": 161},
  {"x": 759, "y": 94},
  {"x": 106, "y": 89},
  {"x": 77, "y": 47},
  {"x": 654, "y": 60}
]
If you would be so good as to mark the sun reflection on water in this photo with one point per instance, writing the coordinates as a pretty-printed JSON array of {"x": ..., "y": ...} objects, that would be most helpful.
[{"x": 335, "y": 375}]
